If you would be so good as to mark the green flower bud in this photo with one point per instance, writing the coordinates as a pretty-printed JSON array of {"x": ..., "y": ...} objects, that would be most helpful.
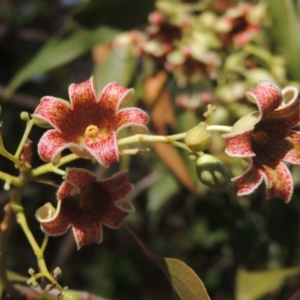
[
  {"x": 211, "y": 172},
  {"x": 198, "y": 138},
  {"x": 25, "y": 116},
  {"x": 71, "y": 296}
]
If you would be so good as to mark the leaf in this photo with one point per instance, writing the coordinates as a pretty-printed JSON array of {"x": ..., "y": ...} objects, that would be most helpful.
[
  {"x": 122, "y": 14},
  {"x": 286, "y": 29},
  {"x": 252, "y": 285},
  {"x": 173, "y": 160},
  {"x": 186, "y": 283},
  {"x": 59, "y": 51},
  {"x": 160, "y": 192},
  {"x": 118, "y": 66}
]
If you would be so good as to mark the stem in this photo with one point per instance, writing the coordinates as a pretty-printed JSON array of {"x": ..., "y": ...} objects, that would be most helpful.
[
  {"x": 46, "y": 168},
  {"x": 221, "y": 128},
  {"x": 16, "y": 181},
  {"x": 8, "y": 155},
  {"x": 38, "y": 251},
  {"x": 28, "y": 128},
  {"x": 141, "y": 138},
  {"x": 7, "y": 224}
]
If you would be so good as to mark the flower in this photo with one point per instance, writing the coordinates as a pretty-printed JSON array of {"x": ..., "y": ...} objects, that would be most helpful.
[
  {"x": 265, "y": 138},
  {"x": 237, "y": 25},
  {"x": 88, "y": 124},
  {"x": 86, "y": 203}
]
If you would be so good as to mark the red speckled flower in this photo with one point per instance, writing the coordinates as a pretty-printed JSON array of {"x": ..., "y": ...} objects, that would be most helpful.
[
  {"x": 237, "y": 26},
  {"x": 88, "y": 124},
  {"x": 85, "y": 204},
  {"x": 266, "y": 139}
]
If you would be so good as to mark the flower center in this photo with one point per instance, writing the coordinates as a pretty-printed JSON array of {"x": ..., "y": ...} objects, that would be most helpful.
[
  {"x": 260, "y": 137},
  {"x": 91, "y": 131}
]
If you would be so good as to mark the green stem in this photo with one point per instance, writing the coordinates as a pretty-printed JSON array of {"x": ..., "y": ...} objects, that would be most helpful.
[
  {"x": 46, "y": 168},
  {"x": 219, "y": 128},
  {"x": 38, "y": 251},
  {"x": 28, "y": 128},
  {"x": 8, "y": 155},
  {"x": 16, "y": 181},
  {"x": 7, "y": 224}
]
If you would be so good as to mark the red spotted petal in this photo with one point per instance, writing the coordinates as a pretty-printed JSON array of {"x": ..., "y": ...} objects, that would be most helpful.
[
  {"x": 132, "y": 117},
  {"x": 279, "y": 182},
  {"x": 52, "y": 110},
  {"x": 56, "y": 225},
  {"x": 239, "y": 144},
  {"x": 267, "y": 96},
  {"x": 87, "y": 233},
  {"x": 284, "y": 118},
  {"x": 113, "y": 95},
  {"x": 293, "y": 155},
  {"x": 104, "y": 150},
  {"x": 82, "y": 94},
  {"x": 75, "y": 180},
  {"x": 51, "y": 145},
  {"x": 249, "y": 181}
]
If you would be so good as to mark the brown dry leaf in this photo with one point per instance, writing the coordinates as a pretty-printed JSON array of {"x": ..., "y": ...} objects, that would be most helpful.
[
  {"x": 100, "y": 52},
  {"x": 153, "y": 86},
  {"x": 170, "y": 156}
]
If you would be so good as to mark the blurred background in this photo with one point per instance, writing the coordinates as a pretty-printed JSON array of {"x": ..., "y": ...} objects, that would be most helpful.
[{"x": 180, "y": 56}]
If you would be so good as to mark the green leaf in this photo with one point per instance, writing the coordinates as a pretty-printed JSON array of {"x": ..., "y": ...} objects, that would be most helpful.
[
  {"x": 252, "y": 285},
  {"x": 59, "y": 51},
  {"x": 286, "y": 30},
  {"x": 187, "y": 285},
  {"x": 118, "y": 66},
  {"x": 122, "y": 14},
  {"x": 160, "y": 192}
]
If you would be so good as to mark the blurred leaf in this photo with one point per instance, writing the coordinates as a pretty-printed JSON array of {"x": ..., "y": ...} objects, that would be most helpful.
[
  {"x": 160, "y": 192},
  {"x": 13, "y": 276},
  {"x": 118, "y": 66},
  {"x": 122, "y": 14},
  {"x": 186, "y": 283},
  {"x": 286, "y": 30},
  {"x": 252, "y": 285},
  {"x": 173, "y": 160},
  {"x": 59, "y": 51}
]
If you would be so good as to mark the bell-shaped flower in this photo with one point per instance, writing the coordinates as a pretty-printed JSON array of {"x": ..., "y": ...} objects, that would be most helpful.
[
  {"x": 85, "y": 203},
  {"x": 265, "y": 138},
  {"x": 87, "y": 125}
]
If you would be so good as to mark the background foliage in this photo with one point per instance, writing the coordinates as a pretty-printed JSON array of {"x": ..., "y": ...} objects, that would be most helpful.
[{"x": 45, "y": 46}]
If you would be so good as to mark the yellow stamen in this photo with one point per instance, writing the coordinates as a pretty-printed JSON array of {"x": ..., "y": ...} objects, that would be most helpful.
[
  {"x": 260, "y": 137},
  {"x": 91, "y": 131}
]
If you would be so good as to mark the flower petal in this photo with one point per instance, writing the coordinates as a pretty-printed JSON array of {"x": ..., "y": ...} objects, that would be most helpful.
[
  {"x": 134, "y": 117},
  {"x": 239, "y": 144},
  {"x": 285, "y": 117},
  {"x": 279, "y": 182},
  {"x": 267, "y": 96},
  {"x": 52, "y": 222},
  {"x": 293, "y": 155},
  {"x": 249, "y": 181},
  {"x": 118, "y": 185},
  {"x": 104, "y": 150},
  {"x": 87, "y": 233},
  {"x": 113, "y": 95},
  {"x": 82, "y": 93},
  {"x": 51, "y": 145},
  {"x": 52, "y": 110},
  {"x": 75, "y": 180}
]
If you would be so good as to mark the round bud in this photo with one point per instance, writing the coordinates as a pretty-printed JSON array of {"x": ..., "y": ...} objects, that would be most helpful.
[
  {"x": 198, "y": 138},
  {"x": 212, "y": 173},
  {"x": 24, "y": 115},
  {"x": 71, "y": 296}
]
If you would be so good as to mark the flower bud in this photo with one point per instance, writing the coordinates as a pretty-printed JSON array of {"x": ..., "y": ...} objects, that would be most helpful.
[
  {"x": 198, "y": 138},
  {"x": 211, "y": 172},
  {"x": 24, "y": 115},
  {"x": 71, "y": 296}
]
